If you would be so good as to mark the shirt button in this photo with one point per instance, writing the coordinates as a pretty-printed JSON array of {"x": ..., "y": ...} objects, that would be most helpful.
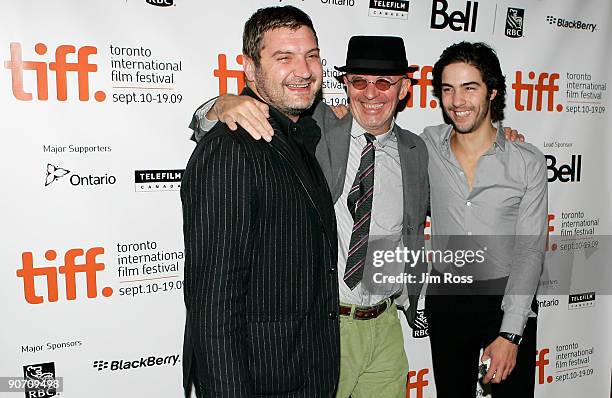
[
  {"x": 332, "y": 270},
  {"x": 332, "y": 315},
  {"x": 468, "y": 204},
  {"x": 461, "y": 173}
]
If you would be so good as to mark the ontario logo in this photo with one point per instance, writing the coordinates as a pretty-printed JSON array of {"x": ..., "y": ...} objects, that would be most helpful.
[
  {"x": 61, "y": 68},
  {"x": 55, "y": 173}
]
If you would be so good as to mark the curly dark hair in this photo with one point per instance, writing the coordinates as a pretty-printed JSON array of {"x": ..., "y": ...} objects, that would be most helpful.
[
  {"x": 483, "y": 58},
  {"x": 267, "y": 19}
]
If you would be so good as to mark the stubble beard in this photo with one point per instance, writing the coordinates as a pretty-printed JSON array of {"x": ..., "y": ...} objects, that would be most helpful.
[
  {"x": 276, "y": 96},
  {"x": 477, "y": 122}
]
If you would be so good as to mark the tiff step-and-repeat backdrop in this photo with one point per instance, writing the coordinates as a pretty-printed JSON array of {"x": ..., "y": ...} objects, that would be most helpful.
[{"x": 96, "y": 97}]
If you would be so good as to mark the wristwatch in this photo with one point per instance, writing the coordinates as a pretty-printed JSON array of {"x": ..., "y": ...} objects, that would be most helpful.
[{"x": 512, "y": 337}]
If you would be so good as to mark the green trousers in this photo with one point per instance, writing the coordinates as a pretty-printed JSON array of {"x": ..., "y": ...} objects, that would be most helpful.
[{"x": 373, "y": 362}]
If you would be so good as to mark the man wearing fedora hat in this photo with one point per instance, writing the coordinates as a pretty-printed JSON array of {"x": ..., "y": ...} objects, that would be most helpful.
[{"x": 377, "y": 173}]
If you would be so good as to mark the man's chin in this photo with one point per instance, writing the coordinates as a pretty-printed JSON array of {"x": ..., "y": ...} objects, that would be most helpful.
[{"x": 297, "y": 108}]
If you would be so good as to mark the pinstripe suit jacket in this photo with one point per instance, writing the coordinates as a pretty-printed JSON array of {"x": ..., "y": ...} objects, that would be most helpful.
[{"x": 261, "y": 287}]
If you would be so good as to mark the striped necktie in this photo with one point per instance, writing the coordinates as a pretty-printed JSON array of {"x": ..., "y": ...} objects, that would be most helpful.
[{"x": 359, "y": 202}]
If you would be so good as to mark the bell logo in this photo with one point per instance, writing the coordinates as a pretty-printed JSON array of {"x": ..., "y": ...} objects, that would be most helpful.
[
  {"x": 423, "y": 82},
  {"x": 89, "y": 267},
  {"x": 225, "y": 74},
  {"x": 60, "y": 66},
  {"x": 417, "y": 385},
  {"x": 541, "y": 363},
  {"x": 566, "y": 172},
  {"x": 457, "y": 20},
  {"x": 546, "y": 84}
]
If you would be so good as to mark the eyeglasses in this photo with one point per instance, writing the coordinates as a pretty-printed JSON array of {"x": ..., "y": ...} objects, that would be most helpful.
[{"x": 360, "y": 83}]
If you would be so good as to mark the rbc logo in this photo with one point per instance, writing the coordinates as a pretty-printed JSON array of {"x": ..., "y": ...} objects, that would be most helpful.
[
  {"x": 89, "y": 267},
  {"x": 161, "y": 3},
  {"x": 60, "y": 66},
  {"x": 457, "y": 20}
]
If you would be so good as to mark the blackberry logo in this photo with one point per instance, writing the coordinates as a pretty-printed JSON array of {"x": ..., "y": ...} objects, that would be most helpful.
[
  {"x": 421, "y": 326},
  {"x": 571, "y": 24},
  {"x": 100, "y": 365},
  {"x": 143, "y": 362}
]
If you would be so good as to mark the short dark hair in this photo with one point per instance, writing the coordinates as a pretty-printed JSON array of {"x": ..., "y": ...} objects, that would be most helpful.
[
  {"x": 483, "y": 58},
  {"x": 270, "y": 18}
]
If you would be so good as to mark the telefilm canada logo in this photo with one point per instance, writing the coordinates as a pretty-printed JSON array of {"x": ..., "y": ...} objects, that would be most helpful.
[
  {"x": 514, "y": 22},
  {"x": 397, "y": 9},
  {"x": 55, "y": 173},
  {"x": 142, "y": 362},
  {"x": 571, "y": 23},
  {"x": 581, "y": 300},
  {"x": 158, "y": 180}
]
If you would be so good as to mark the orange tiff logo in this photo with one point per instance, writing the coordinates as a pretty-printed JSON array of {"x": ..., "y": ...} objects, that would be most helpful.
[
  {"x": 70, "y": 269},
  {"x": 423, "y": 81},
  {"x": 544, "y": 90},
  {"x": 417, "y": 381},
  {"x": 224, "y": 74},
  {"x": 60, "y": 66}
]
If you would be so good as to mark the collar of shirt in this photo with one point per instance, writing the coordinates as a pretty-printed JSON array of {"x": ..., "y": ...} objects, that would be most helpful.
[
  {"x": 381, "y": 140},
  {"x": 499, "y": 143},
  {"x": 305, "y": 130}
]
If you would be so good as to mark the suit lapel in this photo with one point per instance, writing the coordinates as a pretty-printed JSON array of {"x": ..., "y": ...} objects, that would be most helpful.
[
  {"x": 338, "y": 140},
  {"x": 410, "y": 166}
]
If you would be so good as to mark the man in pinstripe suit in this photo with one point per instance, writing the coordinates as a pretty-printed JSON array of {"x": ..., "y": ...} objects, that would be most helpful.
[
  {"x": 397, "y": 166},
  {"x": 261, "y": 289}
]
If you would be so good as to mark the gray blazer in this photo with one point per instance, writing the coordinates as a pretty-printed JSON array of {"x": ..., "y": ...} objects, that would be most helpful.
[{"x": 332, "y": 153}]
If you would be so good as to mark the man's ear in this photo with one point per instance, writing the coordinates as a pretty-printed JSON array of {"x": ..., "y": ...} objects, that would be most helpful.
[
  {"x": 492, "y": 95},
  {"x": 249, "y": 67},
  {"x": 405, "y": 86}
]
